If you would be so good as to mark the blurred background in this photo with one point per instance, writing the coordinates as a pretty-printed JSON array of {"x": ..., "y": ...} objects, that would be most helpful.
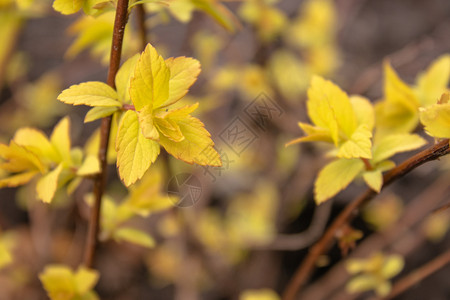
[{"x": 240, "y": 230}]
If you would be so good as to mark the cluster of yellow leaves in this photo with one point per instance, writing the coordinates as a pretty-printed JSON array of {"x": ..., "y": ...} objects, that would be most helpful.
[
  {"x": 31, "y": 154},
  {"x": 373, "y": 273},
  {"x": 347, "y": 123},
  {"x": 152, "y": 85},
  {"x": 61, "y": 283},
  {"x": 399, "y": 110},
  {"x": 90, "y": 7},
  {"x": 143, "y": 199}
]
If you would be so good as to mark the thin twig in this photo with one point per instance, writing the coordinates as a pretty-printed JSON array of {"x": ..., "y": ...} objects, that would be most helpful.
[
  {"x": 100, "y": 181},
  {"x": 419, "y": 274},
  {"x": 304, "y": 270}
]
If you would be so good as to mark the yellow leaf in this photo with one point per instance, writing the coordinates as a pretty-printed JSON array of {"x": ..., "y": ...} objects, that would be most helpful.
[
  {"x": 146, "y": 122},
  {"x": 313, "y": 134},
  {"x": 90, "y": 166},
  {"x": 99, "y": 112},
  {"x": 19, "y": 158},
  {"x": 263, "y": 294},
  {"x": 218, "y": 12},
  {"x": 46, "y": 186},
  {"x": 35, "y": 141},
  {"x": 135, "y": 153},
  {"x": 330, "y": 108},
  {"x": 134, "y": 236},
  {"x": 150, "y": 83},
  {"x": 60, "y": 139},
  {"x": 374, "y": 179},
  {"x": 123, "y": 78},
  {"x": 196, "y": 147},
  {"x": 436, "y": 119},
  {"x": 67, "y": 7},
  {"x": 336, "y": 176},
  {"x": 169, "y": 128},
  {"x": 433, "y": 82},
  {"x": 18, "y": 179},
  {"x": 359, "y": 144},
  {"x": 364, "y": 111},
  {"x": 92, "y": 93},
  {"x": 85, "y": 280},
  {"x": 395, "y": 143},
  {"x": 183, "y": 73}
]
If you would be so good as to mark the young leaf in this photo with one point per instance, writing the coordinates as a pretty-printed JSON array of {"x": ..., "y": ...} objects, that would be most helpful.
[
  {"x": 433, "y": 82},
  {"x": 123, "y": 78},
  {"x": 36, "y": 142},
  {"x": 150, "y": 83},
  {"x": 374, "y": 179},
  {"x": 359, "y": 144},
  {"x": 92, "y": 93},
  {"x": 436, "y": 119},
  {"x": 90, "y": 166},
  {"x": 147, "y": 124},
  {"x": 67, "y": 7},
  {"x": 196, "y": 147},
  {"x": 336, "y": 176},
  {"x": 395, "y": 143},
  {"x": 18, "y": 179},
  {"x": 60, "y": 139},
  {"x": 134, "y": 236},
  {"x": 135, "y": 153},
  {"x": 99, "y": 112},
  {"x": 46, "y": 186},
  {"x": 183, "y": 73}
]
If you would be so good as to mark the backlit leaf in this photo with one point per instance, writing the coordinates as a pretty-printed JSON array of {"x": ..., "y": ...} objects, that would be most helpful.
[
  {"x": 359, "y": 144},
  {"x": 99, "y": 112},
  {"x": 392, "y": 144},
  {"x": 436, "y": 119},
  {"x": 46, "y": 186},
  {"x": 135, "y": 153},
  {"x": 336, "y": 176},
  {"x": 433, "y": 82},
  {"x": 135, "y": 236},
  {"x": 92, "y": 93}
]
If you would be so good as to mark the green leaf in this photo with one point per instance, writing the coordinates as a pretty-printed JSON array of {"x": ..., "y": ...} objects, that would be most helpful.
[
  {"x": 135, "y": 236},
  {"x": 135, "y": 153},
  {"x": 92, "y": 93},
  {"x": 99, "y": 112},
  {"x": 46, "y": 186},
  {"x": 336, "y": 176},
  {"x": 392, "y": 144},
  {"x": 150, "y": 83}
]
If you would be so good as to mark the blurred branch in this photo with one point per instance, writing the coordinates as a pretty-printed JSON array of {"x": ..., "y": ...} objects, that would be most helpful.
[
  {"x": 142, "y": 30},
  {"x": 418, "y": 275},
  {"x": 100, "y": 181},
  {"x": 304, "y": 270},
  {"x": 294, "y": 242}
]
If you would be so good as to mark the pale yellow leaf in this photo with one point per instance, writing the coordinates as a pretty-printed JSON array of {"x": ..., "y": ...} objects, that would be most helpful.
[
  {"x": 150, "y": 82},
  {"x": 46, "y": 186},
  {"x": 123, "y": 78},
  {"x": 35, "y": 141},
  {"x": 90, "y": 166},
  {"x": 17, "y": 179},
  {"x": 99, "y": 112},
  {"x": 135, "y": 153},
  {"x": 60, "y": 139},
  {"x": 92, "y": 93},
  {"x": 433, "y": 82},
  {"x": 396, "y": 143},
  {"x": 336, "y": 176},
  {"x": 183, "y": 73},
  {"x": 67, "y": 7},
  {"x": 359, "y": 144},
  {"x": 146, "y": 122},
  {"x": 436, "y": 119},
  {"x": 374, "y": 179},
  {"x": 135, "y": 236}
]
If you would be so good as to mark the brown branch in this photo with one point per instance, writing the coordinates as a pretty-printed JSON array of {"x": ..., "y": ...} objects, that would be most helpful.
[
  {"x": 304, "y": 270},
  {"x": 418, "y": 275},
  {"x": 100, "y": 181}
]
